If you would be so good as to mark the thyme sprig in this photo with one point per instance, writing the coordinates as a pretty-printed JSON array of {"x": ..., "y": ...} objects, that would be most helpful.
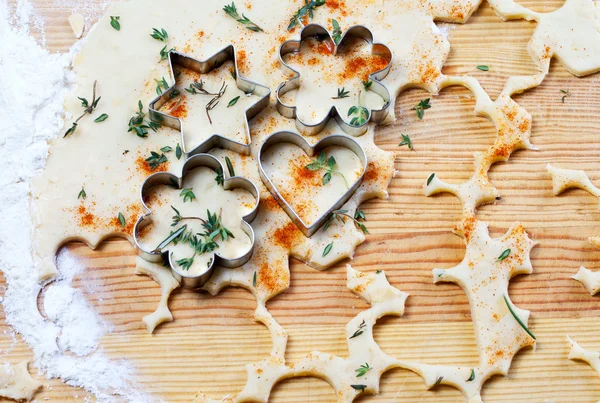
[
  {"x": 337, "y": 32},
  {"x": 114, "y": 22},
  {"x": 359, "y": 331},
  {"x": 161, "y": 85},
  {"x": 159, "y": 35},
  {"x": 231, "y": 11},
  {"x": 155, "y": 159},
  {"x": 187, "y": 194},
  {"x": 164, "y": 53},
  {"x": 322, "y": 162},
  {"x": 200, "y": 242},
  {"x": 362, "y": 370},
  {"x": 82, "y": 194},
  {"x": 341, "y": 93},
  {"x": 359, "y": 115},
  {"x": 89, "y": 108},
  {"x": 341, "y": 215},
  {"x": 406, "y": 141},
  {"x": 198, "y": 88},
  {"x": 139, "y": 126},
  {"x": 307, "y": 9},
  {"x": 421, "y": 107},
  {"x": 566, "y": 93},
  {"x": 215, "y": 101}
]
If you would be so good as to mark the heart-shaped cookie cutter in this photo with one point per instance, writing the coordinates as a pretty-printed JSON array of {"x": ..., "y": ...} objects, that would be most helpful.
[
  {"x": 316, "y": 30},
  {"x": 166, "y": 178},
  {"x": 297, "y": 139},
  {"x": 204, "y": 67}
]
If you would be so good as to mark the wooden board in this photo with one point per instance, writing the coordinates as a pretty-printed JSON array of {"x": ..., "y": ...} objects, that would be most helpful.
[{"x": 211, "y": 339}]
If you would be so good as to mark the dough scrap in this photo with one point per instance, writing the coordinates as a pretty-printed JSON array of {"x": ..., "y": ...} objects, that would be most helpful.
[
  {"x": 578, "y": 353},
  {"x": 563, "y": 179},
  {"x": 162, "y": 275},
  {"x": 16, "y": 383},
  {"x": 77, "y": 24},
  {"x": 570, "y": 34},
  {"x": 340, "y": 373}
]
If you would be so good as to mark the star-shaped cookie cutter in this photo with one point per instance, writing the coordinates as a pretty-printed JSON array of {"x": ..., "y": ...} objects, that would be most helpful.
[
  {"x": 166, "y": 178},
  {"x": 204, "y": 67},
  {"x": 311, "y": 150},
  {"x": 316, "y": 30}
]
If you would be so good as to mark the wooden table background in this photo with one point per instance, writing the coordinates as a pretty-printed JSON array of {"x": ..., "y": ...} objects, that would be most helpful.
[{"x": 211, "y": 339}]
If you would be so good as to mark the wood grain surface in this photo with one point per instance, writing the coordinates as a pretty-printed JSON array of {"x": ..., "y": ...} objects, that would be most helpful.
[{"x": 211, "y": 339}]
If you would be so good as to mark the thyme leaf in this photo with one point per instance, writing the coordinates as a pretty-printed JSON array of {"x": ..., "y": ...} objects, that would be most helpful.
[
  {"x": 503, "y": 255},
  {"x": 229, "y": 166},
  {"x": 233, "y": 101},
  {"x": 155, "y": 159},
  {"x": 114, "y": 22},
  {"x": 359, "y": 115},
  {"x": 178, "y": 151},
  {"x": 483, "y": 67},
  {"x": 430, "y": 178},
  {"x": 359, "y": 331},
  {"x": 82, "y": 194},
  {"x": 359, "y": 387},
  {"x": 122, "y": 220},
  {"x": 472, "y": 377},
  {"x": 101, "y": 118},
  {"x": 327, "y": 249}
]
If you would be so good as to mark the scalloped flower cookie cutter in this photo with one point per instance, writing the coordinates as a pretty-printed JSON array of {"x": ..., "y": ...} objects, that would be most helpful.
[
  {"x": 294, "y": 138},
  {"x": 204, "y": 67},
  {"x": 166, "y": 178},
  {"x": 316, "y": 30}
]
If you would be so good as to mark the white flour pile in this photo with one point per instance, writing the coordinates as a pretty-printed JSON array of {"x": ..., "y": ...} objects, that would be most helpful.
[{"x": 33, "y": 83}]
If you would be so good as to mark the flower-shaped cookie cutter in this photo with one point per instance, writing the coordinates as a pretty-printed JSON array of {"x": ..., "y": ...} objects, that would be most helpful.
[
  {"x": 316, "y": 30},
  {"x": 166, "y": 178},
  {"x": 204, "y": 67},
  {"x": 297, "y": 139}
]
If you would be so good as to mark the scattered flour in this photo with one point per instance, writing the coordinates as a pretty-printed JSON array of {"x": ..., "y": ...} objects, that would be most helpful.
[{"x": 65, "y": 345}]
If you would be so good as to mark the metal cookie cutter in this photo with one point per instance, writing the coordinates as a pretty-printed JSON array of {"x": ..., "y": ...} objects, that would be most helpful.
[
  {"x": 204, "y": 67},
  {"x": 297, "y": 139},
  {"x": 165, "y": 178},
  {"x": 316, "y": 30}
]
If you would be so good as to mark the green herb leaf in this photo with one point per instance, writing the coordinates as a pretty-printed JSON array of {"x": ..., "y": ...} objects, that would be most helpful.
[
  {"x": 307, "y": 9},
  {"x": 161, "y": 85},
  {"x": 367, "y": 84},
  {"x": 164, "y": 53},
  {"x": 229, "y": 166},
  {"x": 359, "y": 115},
  {"x": 378, "y": 271},
  {"x": 359, "y": 331},
  {"x": 327, "y": 249},
  {"x": 187, "y": 194},
  {"x": 178, "y": 151},
  {"x": 254, "y": 280},
  {"x": 114, "y": 22},
  {"x": 82, "y": 194},
  {"x": 71, "y": 130},
  {"x": 406, "y": 141},
  {"x": 359, "y": 387},
  {"x": 341, "y": 93},
  {"x": 337, "y": 32},
  {"x": 160, "y": 35},
  {"x": 472, "y": 377},
  {"x": 186, "y": 263},
  {"x": 166, "y": 149},
  {"x": 233, "y": 101},
  {"x": 566, "y": 94},
  {"x": 438, "y": 381},
  {"x": 101, "y": 118},
  {"x": 122, "y": 220},
  {"x": 421, "y": 107},
  {"x": 155, "y": 159},
  {"x": 219, "y": 178},
  {"x": 362, "y": 370},
  {"x": 517, "y": 318},
  {"x": 503, "y": 255},
  {"x": 430, "y": 178},
  {"x": 231, "y": 11},
  {"x": 483, "y": 67},
  {"x": 359, "y": 214}
]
